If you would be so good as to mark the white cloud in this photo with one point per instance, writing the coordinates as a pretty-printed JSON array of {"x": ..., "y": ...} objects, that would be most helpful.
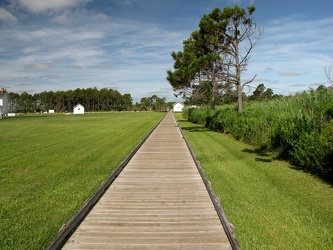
[
  {"x": 239, "y": 2},
  {"x": 105, "y": 66},
  {"x": 61, "y": 34},
  {"x": 38, "y": 66},
  {"x": 63, "y": 18},
  {"x": 79, "y": 15},
  {"x": 4, "y": 78},
  {"x": 7, "y": 17},
  {"x": 289, "y": 74},
  {"x": 44, "y": 6},
  {"x": 54, "y": 77}
]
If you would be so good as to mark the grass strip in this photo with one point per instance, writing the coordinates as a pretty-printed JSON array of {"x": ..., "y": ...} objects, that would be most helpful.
[
  {"x": 271, "y": 205},
  {"x": 50, "y": 164}
]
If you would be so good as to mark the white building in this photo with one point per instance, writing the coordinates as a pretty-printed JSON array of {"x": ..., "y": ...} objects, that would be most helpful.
[
  {"x": 78, "y": 109},
  {"x": 3, "y": 102},
  {"x": 178, "y": 107}
]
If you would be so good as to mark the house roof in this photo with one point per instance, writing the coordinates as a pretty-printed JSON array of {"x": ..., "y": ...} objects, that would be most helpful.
[
  {"x": 77, "y": 105},
  {"x": 179, "y": 103}
]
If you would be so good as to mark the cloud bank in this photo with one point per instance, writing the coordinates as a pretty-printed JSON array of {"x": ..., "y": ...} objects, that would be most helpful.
[{"x": 42, "y": 6}]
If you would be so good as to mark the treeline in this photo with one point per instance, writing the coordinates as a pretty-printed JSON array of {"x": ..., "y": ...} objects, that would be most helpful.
[
  {"x": 299, "y": 128},
  {"x": 92, "y": 99},
  {"x": 228, "y": 95}
]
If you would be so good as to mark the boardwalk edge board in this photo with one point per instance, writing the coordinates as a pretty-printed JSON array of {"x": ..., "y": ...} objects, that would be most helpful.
[
  {"x": 228, "y": 227},
  {"x": 67, "y": 229}
]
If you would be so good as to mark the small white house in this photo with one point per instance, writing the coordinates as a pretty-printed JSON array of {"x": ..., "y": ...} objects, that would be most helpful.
[
  {"x": 78, "y": 109},
  {"x": 3, "y": 102},
  {"x": 178, "y": 107}
]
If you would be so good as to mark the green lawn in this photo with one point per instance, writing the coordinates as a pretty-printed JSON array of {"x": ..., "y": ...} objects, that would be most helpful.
[
  {"x": 271, "y": 205},
  {"x": 50, "y": 164}
]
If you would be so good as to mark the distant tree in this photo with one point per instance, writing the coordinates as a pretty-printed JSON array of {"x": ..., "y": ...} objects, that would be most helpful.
[
  {"x": 257, "y": 94},
  {"x": 228, "y": 93},
  {"x": 103, "y": 97},
  {"x": 206, "y": 93},
  {"x": 25, "y": 102},
  {"x": 153, "y": 103},
  {"x": 321, "y": 88},
  {"x": 145, "y": 104},
  {"x": 160, "y": 105},
  {"x": 261, "y": 93},
  {"x": 13, "y": 102},
  {"x": 126, "y": 102},
  {"x": 156, "y": 103},
  {"x": 114, "y": 99},
  {"x": 95, "y": 99},
  {"x": 78, "y": 97},
  {"x": 268, "y": 94},
  {"x": 59, "y": 98},
  {"x": 36, "y": 102}
]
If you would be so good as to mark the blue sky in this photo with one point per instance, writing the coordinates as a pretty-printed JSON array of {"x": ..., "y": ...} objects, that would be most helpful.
[{"x": 126, "y": 44}]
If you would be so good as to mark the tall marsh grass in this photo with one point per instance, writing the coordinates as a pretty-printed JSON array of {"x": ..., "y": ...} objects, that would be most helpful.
[{"x": 299, "y": 127}]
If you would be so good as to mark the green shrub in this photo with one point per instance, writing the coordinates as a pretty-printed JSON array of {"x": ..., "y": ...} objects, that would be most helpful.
[
  {"x": 199, "y": 115},
  {"x": 314, "y": 151},
  {"x": 289, "y": 125},
  {"x": 185, "y": 112}
]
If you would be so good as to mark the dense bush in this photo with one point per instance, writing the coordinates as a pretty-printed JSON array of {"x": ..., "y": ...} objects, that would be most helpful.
[
  {"x": 199, "y": 117},
  {"x": 314, "y": 151},
  {"x": 298, "y": 127}
]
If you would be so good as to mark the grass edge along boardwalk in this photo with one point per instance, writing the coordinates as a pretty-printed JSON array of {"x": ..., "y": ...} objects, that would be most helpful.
[{"x": 159, "y": 201}]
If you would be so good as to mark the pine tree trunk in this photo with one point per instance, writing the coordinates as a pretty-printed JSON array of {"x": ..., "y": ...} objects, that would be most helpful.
[
  {"x": 213, "y": 97},
  {"x": 240, "y": 98},
  {"x": 238, "y": 78}
]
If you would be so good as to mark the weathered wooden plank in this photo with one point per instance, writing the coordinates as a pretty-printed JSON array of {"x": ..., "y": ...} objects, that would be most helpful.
[
  {"x": 206, "y": 246},
  {"x": 146, "y": 237},
  {"x": 158, "y": 201}
]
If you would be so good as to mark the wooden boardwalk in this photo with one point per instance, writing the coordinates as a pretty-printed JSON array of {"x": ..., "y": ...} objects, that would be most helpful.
[{"x": 159, "y": 201}]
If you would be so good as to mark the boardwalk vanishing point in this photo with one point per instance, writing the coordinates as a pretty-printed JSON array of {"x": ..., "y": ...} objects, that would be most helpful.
[{"x": 158, "y": 201}]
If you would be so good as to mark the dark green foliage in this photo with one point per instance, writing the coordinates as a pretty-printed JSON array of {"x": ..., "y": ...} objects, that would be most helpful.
[
  {"x": 298, "y": 127},
  {"x": 199, "y": 117},
  {"x": 314, "y": 152},
  {"x": 154, "y": 103},
  {"x": 261, "y": 93}
]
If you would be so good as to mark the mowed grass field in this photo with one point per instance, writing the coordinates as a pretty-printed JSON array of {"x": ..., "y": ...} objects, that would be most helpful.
[
  {"x": 51, "y": 164},
  {"x": 271, "y": 205}
]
